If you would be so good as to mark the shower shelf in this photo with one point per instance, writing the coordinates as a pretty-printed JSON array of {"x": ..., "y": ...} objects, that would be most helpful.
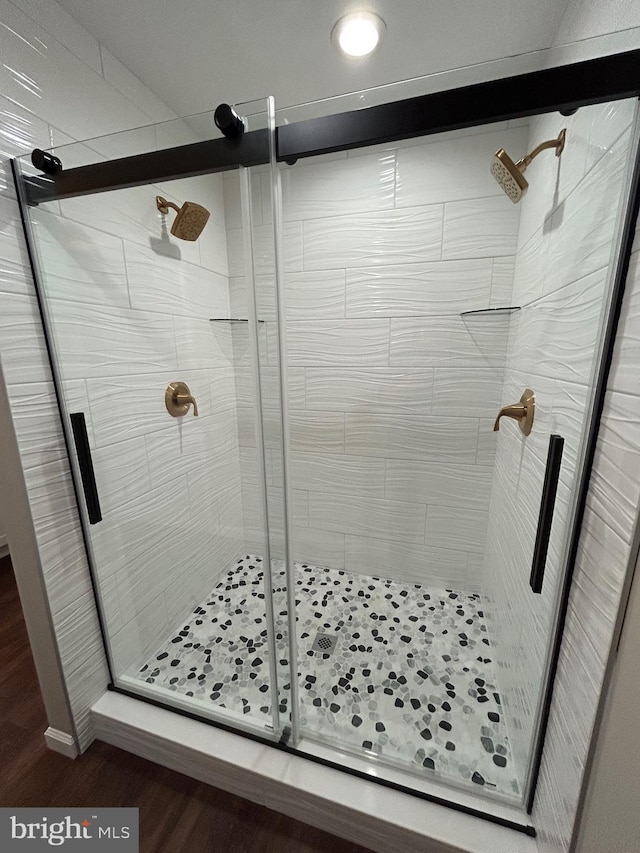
[
  {"x": 508, "y": 309},
  {"x": 230, "y": 320}
]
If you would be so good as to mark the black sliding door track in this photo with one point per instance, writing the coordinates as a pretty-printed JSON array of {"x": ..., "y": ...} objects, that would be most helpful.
[{"x": 563, "y": 89}]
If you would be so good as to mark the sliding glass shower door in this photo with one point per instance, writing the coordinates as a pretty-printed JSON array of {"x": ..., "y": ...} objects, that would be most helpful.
[
  {"x": 443, "y": 344},
  {"x": 163, "y": 382},
  {"x": 328, "y": 452}
]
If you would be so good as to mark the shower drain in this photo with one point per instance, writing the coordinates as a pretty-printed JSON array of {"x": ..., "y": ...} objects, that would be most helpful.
[{"x": 324, "y": 643}]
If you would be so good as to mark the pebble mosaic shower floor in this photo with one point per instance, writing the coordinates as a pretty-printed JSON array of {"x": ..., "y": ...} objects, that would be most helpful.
[{"x": 410, "y": 676}]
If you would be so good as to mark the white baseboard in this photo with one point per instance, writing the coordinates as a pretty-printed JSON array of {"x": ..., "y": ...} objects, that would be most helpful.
[
  {"x": 363, "y": 812},
  {"x": 61, "y": 742}
]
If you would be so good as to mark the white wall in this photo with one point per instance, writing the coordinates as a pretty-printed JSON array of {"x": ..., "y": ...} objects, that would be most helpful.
[
  {"x": 392, "y": 394},
  {"x": 565, "y": 244}
]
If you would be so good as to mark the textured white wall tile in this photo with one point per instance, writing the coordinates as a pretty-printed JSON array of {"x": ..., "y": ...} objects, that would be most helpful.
[
  {"x": 464, "y": 391},
  {"x": 458, "y": 486},
  {"x": 99, "y": 341},
  {"x": 62, "y": 26},
  {"x": 170, "y": 286},
  {"x": 405, "y": 561},
  {"x": 372, "y": 239},
  {"x": 374, "y": 389},
  {"x": 320, "y": 432},
  {"x": 338, "y": 342},
  {"x": 312, "y": 191},
  {"x": 502, "y": 282},
  {"x": 480, "y": 228},
  {"x": 318, "y": 547},
  {"x": 14, "y": 262},
  {"x": 409, "y": 290},
  {"x": 37, "y": 69},
  {"x": 452, "y": 169},
  {"x": 456, "y": 527},
  {"x": 79, "y": 263},
  {"x": 411, "y": 437},
  {"x": 315, "y": 295},
  {"x": 626, "y": 352},
  {"x": 24, "y": 352},
  {"x": 346, "y": 475},
  {"x": 581, "y": 231},
  {"x": 365, "y": 517},
  {"x": 475, "y": 341},
  {"x": 35, "y": 409}
]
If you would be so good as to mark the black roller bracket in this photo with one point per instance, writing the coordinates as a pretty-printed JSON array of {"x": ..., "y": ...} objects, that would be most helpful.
[
  {"x": 228, "y": 121},
  {"x": 569, "y": 112},
  {"x": 46, "y": 162},
  {"x": 85, "y": 463},
  {"x": 547, "y": 506}
]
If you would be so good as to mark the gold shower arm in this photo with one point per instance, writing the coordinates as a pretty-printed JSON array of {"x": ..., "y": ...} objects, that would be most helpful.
[
  {"x": 163, "y": 205},
  {"x": 558, "y": 144}
]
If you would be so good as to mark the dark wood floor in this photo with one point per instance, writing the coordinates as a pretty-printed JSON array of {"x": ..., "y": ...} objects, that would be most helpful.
[{"x": 176, "y": 813}]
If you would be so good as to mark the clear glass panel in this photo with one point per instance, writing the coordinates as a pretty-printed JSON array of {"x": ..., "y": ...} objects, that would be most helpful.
[
  {"x": 421, "y": 644},
  {"x": 131, "y": 308}
]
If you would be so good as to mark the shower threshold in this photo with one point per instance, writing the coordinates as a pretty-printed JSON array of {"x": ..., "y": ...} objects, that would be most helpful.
[{"x": 409, "y": 681}]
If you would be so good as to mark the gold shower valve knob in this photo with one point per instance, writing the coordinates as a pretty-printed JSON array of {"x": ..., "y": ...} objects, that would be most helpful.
[{"x": 178, "y": 398}]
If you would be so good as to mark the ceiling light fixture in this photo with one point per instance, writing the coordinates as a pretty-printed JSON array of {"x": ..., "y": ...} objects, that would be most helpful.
[{"x": 358, "y": 34}]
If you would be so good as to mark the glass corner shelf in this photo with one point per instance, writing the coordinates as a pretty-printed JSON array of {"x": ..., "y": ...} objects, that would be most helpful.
[
  {"x": 507, "y": 309},
  {"x": 230, "y": 320}
]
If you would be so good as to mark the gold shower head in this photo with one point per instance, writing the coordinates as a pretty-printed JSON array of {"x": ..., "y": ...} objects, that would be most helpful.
[
  {"x": 510, "y": 175},
  {"x": 190, "y": 220}
]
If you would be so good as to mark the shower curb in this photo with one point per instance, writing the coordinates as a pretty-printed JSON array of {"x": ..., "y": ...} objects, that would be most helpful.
[{"x": 362, "y": 812}]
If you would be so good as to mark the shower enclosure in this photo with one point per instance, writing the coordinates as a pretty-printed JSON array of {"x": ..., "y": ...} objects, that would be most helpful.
[{"x": 336, "y": 553}]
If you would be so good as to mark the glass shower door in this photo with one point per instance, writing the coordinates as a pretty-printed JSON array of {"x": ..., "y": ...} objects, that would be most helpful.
[
  {"x": 157, "y": 384},
  {"x": 420, "y": 301}
]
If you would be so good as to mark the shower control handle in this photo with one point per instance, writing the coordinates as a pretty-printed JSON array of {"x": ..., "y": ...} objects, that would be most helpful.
[
  {"x": 523, "y": 412},
  {"x": 178, "y": 398}
]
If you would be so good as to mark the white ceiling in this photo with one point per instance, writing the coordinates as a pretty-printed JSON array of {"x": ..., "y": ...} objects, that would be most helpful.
[{"x": 196, "y": 53}]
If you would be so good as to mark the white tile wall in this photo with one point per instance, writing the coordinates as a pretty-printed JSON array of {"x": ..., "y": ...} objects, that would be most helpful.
[
  {"x": 564, "y": 249},
  {"x": 390, "y": 430},
  {"x": 123, "y": 294}
]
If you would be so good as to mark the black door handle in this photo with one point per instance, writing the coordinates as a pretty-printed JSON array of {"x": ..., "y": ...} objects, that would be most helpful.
[
  {"x": 547, "y": 505},
  {"x": 85, "y": 463}
]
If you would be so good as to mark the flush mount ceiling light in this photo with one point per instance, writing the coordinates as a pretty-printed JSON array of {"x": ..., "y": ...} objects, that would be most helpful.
[{"x": 358, "y": 33}]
